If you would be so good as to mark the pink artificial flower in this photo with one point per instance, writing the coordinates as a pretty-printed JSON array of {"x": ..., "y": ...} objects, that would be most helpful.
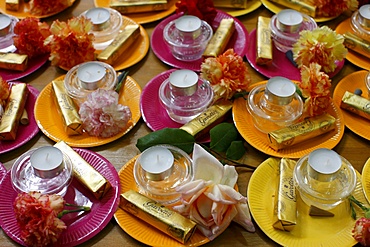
[
  {"x": 361, "y": 231},
  {"x": 36, "y": 215},
  {"x": 102, "y": 115}
]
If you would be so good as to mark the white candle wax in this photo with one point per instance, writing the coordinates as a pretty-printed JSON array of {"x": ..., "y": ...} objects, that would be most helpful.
[
  {"x": 324, "y": 161},
  {"x": 188, "y": 23},
  {"x": 183, "y": 82},
  {"x": 281, "y": 86},
  {"x": 156, "y": 160},
  {"x": 98, "y": 16},
  {"x": 289, "y": 20},
  {"x": 47, "y": 161},
  {"x": 364, "y": 11},
  {"x": 90, "y": 74},
  {"x": 5, "y": 22}
]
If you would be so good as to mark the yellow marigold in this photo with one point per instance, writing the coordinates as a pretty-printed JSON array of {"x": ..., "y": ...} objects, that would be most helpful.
[
  {"x": 321, "y": 45},
  {"x": 227, "y": 74}
]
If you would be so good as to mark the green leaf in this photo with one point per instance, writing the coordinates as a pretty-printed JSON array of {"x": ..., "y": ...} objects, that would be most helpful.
[
  {"x": 222, "y": 135},
  {"x": 171, "y": 136},
  {"x": 236, "y": 150}
]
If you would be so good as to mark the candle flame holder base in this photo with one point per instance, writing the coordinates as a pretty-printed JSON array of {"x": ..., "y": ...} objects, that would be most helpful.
[
  {"x": 6, "y": 35},
  {"x": 358, "y": 28}
]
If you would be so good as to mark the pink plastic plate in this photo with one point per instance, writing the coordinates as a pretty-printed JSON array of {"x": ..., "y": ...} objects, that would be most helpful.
[
  {"x": 2, "y": 172},
  {"x": 25, "y": 132},
  {"x": 281, "y": 66},
  {"x": 33, "y": 65},
  {"x": 238, "y": 41},
  {"x": 80, "y": 226}
]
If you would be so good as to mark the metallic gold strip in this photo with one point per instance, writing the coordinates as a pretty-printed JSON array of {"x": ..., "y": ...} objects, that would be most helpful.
[
  {"x": 357, "y": 44},
  {"x": 264, "y": 41},
  {"x": 126, "y": 7},
  {"x": 300, "y": 6},
  {"x": 13, "y": 61},
  {"x": 356, "y": 104}
]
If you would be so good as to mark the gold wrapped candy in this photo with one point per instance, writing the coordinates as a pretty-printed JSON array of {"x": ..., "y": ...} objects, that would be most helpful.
[
  {"x": 264, "y": 42},
  {"x": 164, "y": 219},
  {"x": 357, "y": 44},
  {"x": 13, "y": 111},
  {"x": 85, "y": 173},
  {"x": 138, "y": 6},
  {"x": 124, "y": 40},
  {"x": 220, "y": 38},
  {"x": 285, "y": 212},
  {"x": 12, "y": 5},
  {"x": 241, "y": 4},
  {"x": 13, "y": 61},
  {"x": 298, "y": 5},
  {"x": 356, "y": 104},
  {"x": 67, "y": 109},
  {"x": 302, "y": 131},
  {"x": 207, "y": 119}
]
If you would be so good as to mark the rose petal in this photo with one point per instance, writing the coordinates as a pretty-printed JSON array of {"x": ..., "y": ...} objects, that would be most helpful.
[
  {"x": 206, "y": 166},
  {"x": 230, "y": 176},
  {"x": 243, "y": 217}
]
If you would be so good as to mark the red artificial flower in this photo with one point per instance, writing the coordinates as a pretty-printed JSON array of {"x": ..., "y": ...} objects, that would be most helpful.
[
  {"x": 30, "y": 35},
  {"x": 203, "y": 9},
  {"x": 4, "y": 91},
  {"x": 333, "y": 7},
  {"x": 44, "y": 7},
  {"x": 361, "y": 231}
]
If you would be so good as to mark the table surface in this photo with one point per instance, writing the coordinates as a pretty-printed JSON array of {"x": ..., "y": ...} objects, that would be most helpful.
[{"x": 353, "y": 147}]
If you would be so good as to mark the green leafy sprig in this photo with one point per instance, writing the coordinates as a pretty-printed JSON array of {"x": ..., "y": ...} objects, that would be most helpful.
[{"x": 353, "y": 200}]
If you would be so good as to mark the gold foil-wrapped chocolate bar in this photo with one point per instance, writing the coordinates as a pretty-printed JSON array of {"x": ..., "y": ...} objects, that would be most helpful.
[
  {"x": 285, "y": 215},
  {"x": 124, "y": 39},
  {"x": 138, "y": 6},
  {"x": 301, "y": 6},
  {"x": 356, "y": 104},
  {"x": 67, "y": 109},
  {"x": 12, "y": 5},
  {"x": 207, "y": 119},
  {"x": 302, "y": 131},
  {"x": 264, "y": 42},
  {"x": 13, "y": 111},
  {"x": 357, "y": 44},
  {"x": 164, "y": 219},
  {"x": 85, "y": 173},
  {"x": 220, "y": 38},
  {"x": 241, "y": 4},
  {"x": 13, "y": 61}
]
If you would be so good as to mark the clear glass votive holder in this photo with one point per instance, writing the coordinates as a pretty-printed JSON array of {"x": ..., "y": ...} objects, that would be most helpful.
[
  {"x": 106, "y": 25},
  {"x": 27, "y": 177},
  {"x": 367, "y": 83},
  {"x": 84, "y": 78},
  {"x": 157, "y": 182},
  {"x": 285, "y": 32},
  {"x": 187, "y": 42},
  {"x": 326, "y": 181},
  {"x": 270, "y": 111},
  {"x": 360, "y": 22},
  {"x": 184, "y": 102},
  {"x": 7, "y": 24}
]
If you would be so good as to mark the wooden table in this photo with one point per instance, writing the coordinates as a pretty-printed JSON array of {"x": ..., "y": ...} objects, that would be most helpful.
[{"x": 354, "y": 148}]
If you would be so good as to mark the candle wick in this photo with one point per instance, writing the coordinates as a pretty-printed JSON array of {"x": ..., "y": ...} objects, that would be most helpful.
[
  {"x": 185, "y": 77},
  {"x": 88, "y": 73},
  {"x": 47, "y": 157},
  {"x": 157, "y": 159}
]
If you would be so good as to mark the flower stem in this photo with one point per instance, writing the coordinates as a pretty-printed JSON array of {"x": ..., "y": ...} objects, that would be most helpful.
[
  {"x": 366, "y": 210},
  {"x": 77, "y": 209}
]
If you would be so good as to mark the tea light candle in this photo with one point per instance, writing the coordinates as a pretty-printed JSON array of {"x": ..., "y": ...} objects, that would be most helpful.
[
  {"x": 280, "y": 90},
  {"x": 47, "y": 161},
  {"x": 157, "y": 162},
  {"x": 99, "y": 18},
  {"x": 364, "y": 15},
  {"x": 323, "y": 164},
  {"x": 5, "y": 23},
  {"x": 90, "y": 74},
  {"x": 289, "y": 20},
  {"x": 188, "y": 23},
  {"x": 183, "y": 82}
]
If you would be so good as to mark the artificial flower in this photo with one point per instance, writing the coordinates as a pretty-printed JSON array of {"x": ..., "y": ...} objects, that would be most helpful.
[
  {"x": 30, "y": 35},
  {"x": 4, "y": 95},
  {"x": 44, "y": 7},
  {"x": 315, "y": 87},
  {"x": 210, "y": 199},
  {"x": 227, "y": 74},
  {"x": 321, "y": 45},
  {"x": 101, "y": 114},
  {"x": 361, "y": 230},
  {"x": 36, "y": 215},
  {"x": 70, "y": 42},
  {"x": 203, "y": 9},
  {"x": 333, "y": 7}
]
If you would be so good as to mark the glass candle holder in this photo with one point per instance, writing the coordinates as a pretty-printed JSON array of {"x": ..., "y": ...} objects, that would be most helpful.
[
  {"x": 367, "y": 83},
  {"x": 184, "y": 95},
  {"x": 286, "y": 26},
  {"x": 106, "y": 24},
  {"x": 160, "y": 169},
  {"x": 7, "y": 24},
  {"x": 274, "y": 105},
  {"x": 360, "y": 22},
  {"x": 87, "y": 77},
  {"x": 324, "y": 179},
  {"x": 46, "y": 170},
  {"x": 187, "y": 37}
]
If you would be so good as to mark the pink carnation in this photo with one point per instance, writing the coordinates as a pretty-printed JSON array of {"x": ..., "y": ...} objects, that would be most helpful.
[{"x": 102, "y": 115}]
